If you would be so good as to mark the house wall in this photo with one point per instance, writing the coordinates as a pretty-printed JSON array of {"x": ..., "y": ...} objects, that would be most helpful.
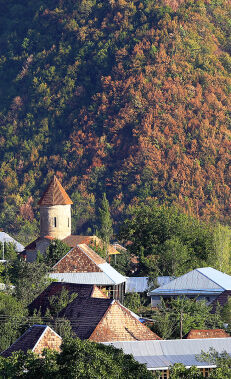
[
  {"x": 119, "y": 325},
  {"x": 97, "y": 293},
  {"x": 156, "y": 300},
  {"x": 49, "y": 340},
  {"x": 62, "y": 213}
]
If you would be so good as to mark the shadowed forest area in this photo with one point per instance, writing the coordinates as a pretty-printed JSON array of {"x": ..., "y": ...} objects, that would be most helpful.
[{"x": 127, "y": 98}]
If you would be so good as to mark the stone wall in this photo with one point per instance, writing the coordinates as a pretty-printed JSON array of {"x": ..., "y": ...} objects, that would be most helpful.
[{"x": 62, "y": 214}]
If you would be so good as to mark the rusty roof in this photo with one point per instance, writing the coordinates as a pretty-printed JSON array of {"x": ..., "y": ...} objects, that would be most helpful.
[
  {"x": 206, "y": 333},
  {"x": 55, "y": 194}
]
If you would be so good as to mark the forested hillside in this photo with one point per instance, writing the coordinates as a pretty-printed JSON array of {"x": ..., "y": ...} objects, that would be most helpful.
[{"x": 131, "y": 98}]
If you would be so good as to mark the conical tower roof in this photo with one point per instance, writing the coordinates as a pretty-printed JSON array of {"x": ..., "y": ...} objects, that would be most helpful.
[{"x": 55, "y": 194}]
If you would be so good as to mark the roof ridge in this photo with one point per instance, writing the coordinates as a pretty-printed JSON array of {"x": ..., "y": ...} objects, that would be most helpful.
[
  {"x": 55, "y": 194},
  {"x": 206, "y": 276}
]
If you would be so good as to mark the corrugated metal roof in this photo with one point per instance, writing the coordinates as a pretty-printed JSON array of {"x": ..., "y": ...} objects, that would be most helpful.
[
  {"x": 160, "y": 354},
  {"x": 98, "y": 278},
  {"x": 114, "y": 275},
  {"x": 202, "y": 279},
  {"x": 4, "y": 237},
  {"x": 140, "y": 284}
]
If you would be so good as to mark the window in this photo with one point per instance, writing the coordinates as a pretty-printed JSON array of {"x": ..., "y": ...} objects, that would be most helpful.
[
  {"x": 164, "y": 374},
  {"x": 55, "y": 222},
  {"x": 68, "y": 222}
]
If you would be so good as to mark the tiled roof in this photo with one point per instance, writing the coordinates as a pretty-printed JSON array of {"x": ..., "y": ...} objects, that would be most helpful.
[
  {"x": 222, "y": 299},
  {"x": 73, "y": 241},
  {"x": 208, "y": 333},
  {"x": 32, "y": 245},
  {"x": 85, "y": 314},
  {"x": 55, "y": 194},
  {"x": 104, "y": 320},
  {"x": 42, "y": 302},
  {"x": 27, "y": 341},
  {"x": 83, "y": 263}
]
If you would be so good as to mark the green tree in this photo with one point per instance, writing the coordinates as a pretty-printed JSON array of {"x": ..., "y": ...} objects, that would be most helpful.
[
  {"x": 220, "y": 257},
  {"x": 12, "y": 313},
  {"x": 56, "y": 250},
  {"x": 176, "y": 241},
  {"x": 178, "y": 316},
  {"x": 29, "y": 279},
  {"x": 105, "y": 222},
  {"x": 78, "y": 359}
]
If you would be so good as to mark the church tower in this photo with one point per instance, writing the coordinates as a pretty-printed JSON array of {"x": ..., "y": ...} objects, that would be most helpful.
[{"x": 55, "y": 211}]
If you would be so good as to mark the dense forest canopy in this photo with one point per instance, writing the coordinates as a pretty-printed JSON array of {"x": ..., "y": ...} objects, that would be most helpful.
[{"x": 131, "y": 98}]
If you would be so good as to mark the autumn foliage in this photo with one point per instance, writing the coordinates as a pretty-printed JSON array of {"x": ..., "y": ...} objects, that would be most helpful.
[{"x": 128, "y": 98}]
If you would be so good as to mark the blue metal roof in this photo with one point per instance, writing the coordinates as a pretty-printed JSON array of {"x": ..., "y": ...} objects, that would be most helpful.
[
  {"x": 140, "y": 284},
  {"x": 200, "y": 280}
]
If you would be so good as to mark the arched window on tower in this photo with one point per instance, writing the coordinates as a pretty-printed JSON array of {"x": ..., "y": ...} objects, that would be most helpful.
[
  {"x": 68, "y": 222},
  {"x": 55, "y": 222}
]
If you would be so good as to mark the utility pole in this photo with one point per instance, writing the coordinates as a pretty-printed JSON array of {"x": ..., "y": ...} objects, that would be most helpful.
[{"x": 181, "y": 324}]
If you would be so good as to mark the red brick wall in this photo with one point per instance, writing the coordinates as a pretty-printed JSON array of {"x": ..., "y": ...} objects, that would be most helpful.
[
  {"x": 76, "y": 261},
  {"x": 119, "y": 325}
]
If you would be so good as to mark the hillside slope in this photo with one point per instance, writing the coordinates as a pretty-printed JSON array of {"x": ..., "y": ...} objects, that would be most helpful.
[{"x": 131, "y": 98}]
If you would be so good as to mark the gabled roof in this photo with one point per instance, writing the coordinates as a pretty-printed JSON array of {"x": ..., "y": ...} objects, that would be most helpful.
[
  {"x": 85, "y": 314},
  {"x": 206, "y": 333},
  {"x": 30, "y": 339},
  {"x": 42, "y": 302},
  {"x": 32, "y": 245},
  {"x": 74, "y": 240},
  {"x": 140, "y": 284},
  {"x": 55, "y": 194},
  {"x": 160, "y": 355},
  {"x": 200, "y": 280},
  {"x": 4, "y": 237},
  {"x": 83, "y": 265},
  {"x": 104, "y": 320}
]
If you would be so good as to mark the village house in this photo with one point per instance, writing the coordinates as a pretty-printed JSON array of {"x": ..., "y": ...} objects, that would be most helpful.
[
  {"x": 102, "y": 320},
  {"x": 160, "y": 355},
  {"x": 42, "y": 302},
  {"x": 201, "y": 284},
  {"x": 36, "y": 339},
  {"x": 82, "y": 265},
  {"x": 92, "y": 315}
]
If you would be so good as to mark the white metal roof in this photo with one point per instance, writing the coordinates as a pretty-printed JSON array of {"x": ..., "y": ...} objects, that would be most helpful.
[
  {"x": 160, "y": 354},
  {"x": 114, "y": 275},
  {"x": 4, "y": 237},
  {"x": 98, "y": 278},
  {"x": 200, "y": 280},
  {"x": 140, "y": 284}
]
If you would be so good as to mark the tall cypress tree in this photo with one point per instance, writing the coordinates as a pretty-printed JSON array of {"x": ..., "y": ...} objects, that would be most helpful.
[{"x": 105, "y": 220}]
